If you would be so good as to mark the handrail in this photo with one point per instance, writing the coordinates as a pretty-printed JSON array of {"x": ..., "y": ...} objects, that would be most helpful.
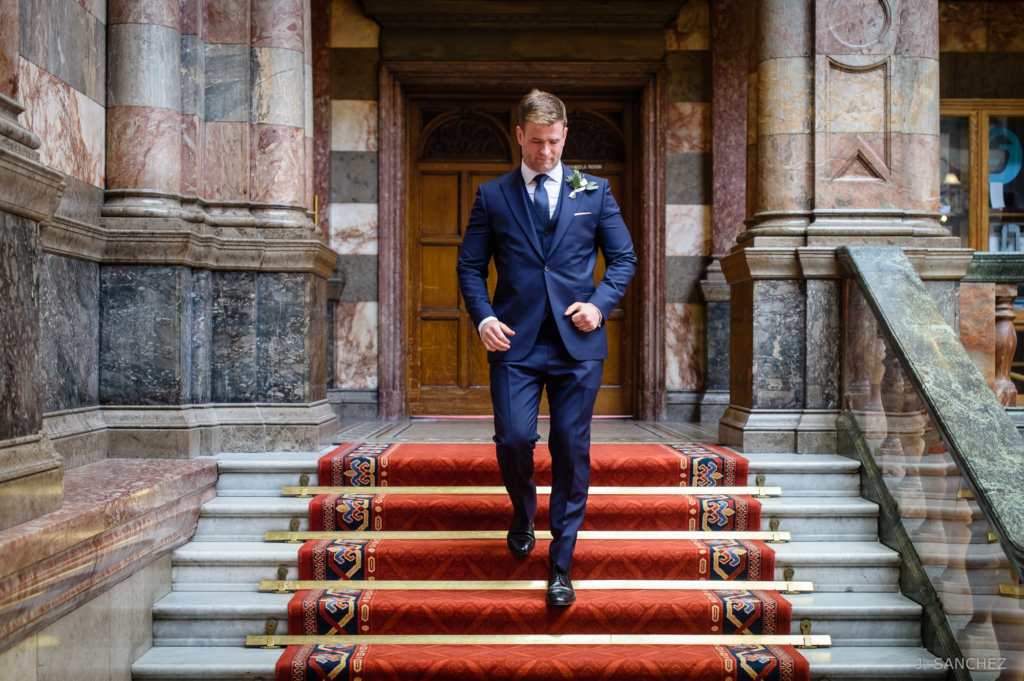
[{"x": 981, "y": 438}]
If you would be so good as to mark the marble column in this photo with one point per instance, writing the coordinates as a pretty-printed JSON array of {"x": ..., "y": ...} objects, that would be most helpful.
[
  {"x": 143, "y": 175},
  {"x": 277, "y": 112},
  {"x": 842, "y": 148},
  {"x": 31, "y": 474}
]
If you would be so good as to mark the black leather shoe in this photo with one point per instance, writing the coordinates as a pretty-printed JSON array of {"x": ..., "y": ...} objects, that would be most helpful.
[
  {"x": 560, "y": 591},
  {"x": 520, "y": 537}
]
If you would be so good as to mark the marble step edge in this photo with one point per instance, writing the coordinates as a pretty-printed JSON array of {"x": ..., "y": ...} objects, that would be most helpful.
[
  {"x": 759, "y": 463},
  {"x": 874, "y": 663},
  {"x": 289, "y": 507},
  {"x": 190, "y": 605},
  {"x": 844, "y": 554}
]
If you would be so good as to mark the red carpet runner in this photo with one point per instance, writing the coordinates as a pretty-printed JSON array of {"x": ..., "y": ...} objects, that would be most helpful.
[{"x": 357, "y": 611}]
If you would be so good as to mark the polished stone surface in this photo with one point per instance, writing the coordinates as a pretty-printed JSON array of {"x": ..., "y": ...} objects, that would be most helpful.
[
  {"x": 144, "y": 63},
  {"x": 354, "y": 177},
  {"x": 682, "y": 278},
  {"x": 63, "y": 38},
  {"x": 824, "y": 332},
  {"x": 20, "y": 253},
  {"x": 717, "y": 325},
  {"x": 233, "y": 367},
  {"x": 193, "y": 76},
  {"x": 777, "y": 380},
  {"x": 688, "y": 179},
  {"x": 145, "y": 348},
  {"x": 69, "y": 320},
  {"x": 282, "y": 325},
  {"x": 981, "y": 436},
  {"x": 357, "y": 276},
  {"x": 689, "y": 75},
  {"x": 227, "y": 82},
  {"x": 202, "y": 335}
]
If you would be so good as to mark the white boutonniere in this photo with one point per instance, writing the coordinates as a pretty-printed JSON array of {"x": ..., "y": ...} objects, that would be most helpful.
[{"x": 579, "y": 183}]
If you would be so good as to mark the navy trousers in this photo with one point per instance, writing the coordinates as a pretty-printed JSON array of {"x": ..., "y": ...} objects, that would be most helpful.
[{"x": 572, "y": 390}]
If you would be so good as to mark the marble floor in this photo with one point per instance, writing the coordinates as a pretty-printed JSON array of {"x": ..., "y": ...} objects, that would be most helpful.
[{"x": 482, "y": 429}]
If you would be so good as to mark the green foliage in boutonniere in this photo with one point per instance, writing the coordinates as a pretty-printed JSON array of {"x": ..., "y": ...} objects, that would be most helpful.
[{"x": 578, "y": 182}]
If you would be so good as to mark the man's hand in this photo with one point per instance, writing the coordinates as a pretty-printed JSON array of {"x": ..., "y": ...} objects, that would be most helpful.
[
  {"x": 585, "y": 316},
  {"x": 493, "y": 336}
]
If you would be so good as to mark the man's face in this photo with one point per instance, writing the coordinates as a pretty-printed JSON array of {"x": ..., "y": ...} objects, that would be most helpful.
[{"x": 542, "y": 145}]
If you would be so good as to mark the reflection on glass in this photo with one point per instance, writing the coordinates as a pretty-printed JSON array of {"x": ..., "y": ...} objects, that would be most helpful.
[
  {"x": 955, "y": 178},
  {"x": 1005, "y": 183},
  {"x": 949, "y": 532}
]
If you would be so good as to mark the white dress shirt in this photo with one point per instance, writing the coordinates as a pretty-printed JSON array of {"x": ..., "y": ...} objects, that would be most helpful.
[{"x": 553, "y": 185}]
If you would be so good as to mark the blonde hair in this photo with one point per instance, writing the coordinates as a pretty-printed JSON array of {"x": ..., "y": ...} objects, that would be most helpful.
[{"x": 542, "y": 108}]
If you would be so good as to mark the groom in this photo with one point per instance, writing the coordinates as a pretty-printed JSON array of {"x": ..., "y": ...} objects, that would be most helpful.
[{"x": 545, "y": 325}]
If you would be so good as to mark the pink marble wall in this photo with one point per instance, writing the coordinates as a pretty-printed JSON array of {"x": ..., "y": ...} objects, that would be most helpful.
[
  {"x": 143, "y": 148},
  {"x": 71, "y": 126},
  {"x": 278, "y": 23},
  {"x": 191, "y": 21},
  {"x": 353, "y": 125},
  {"x": 688, "y": 128},
  {"x": 277, "y": 164},
  {"x": 353, "y": 228},
  {"x": 159, "y": 12},
  {"x": 684, "y": 346},
  {"x": 978, "y": 327},
  {"x": 321, "y": 59},
  {"x": 192, "y": 138},
  {"x": 9, "y": 48},
  {"x": 730, "y": 47},
  {"x": 688, "y": 230},
  {"x": 226, "y": 21},
  {"x": 355, "y": 340},
  {"x": 226, "y": 161}
]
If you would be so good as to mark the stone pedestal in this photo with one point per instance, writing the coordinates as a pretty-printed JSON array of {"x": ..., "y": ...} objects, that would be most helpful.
[
  {"x": 843, "y": 145},
  {"x": 715, "y": 399},
  {"x": 31, "y": 474}
]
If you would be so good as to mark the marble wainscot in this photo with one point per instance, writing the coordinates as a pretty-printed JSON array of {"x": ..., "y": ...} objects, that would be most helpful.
[
  {"x": 118, "y": 516},
  {"x": 715, "y": 290}
]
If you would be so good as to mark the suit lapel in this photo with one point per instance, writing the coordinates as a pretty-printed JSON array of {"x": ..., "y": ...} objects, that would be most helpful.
[
  {"x": 515, "y": 194},
  {"x": 567, "y": 207}
]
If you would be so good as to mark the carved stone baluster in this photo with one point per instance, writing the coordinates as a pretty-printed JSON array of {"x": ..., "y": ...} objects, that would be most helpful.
[{"x": 1006, "y": 343}]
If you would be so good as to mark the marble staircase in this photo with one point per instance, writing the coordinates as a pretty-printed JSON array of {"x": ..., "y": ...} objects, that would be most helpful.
[{"x": 200, "y": 628}]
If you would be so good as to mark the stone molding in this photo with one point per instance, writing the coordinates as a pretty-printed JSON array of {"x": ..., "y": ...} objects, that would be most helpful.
[
  {"x": 57, "y": 562},
  {"x": 804, "y": 431},
  {"x": 31, "y": 479},
  {"x": 107, "y": 245},
  {"x": 27, "y": 187},
  {"x": 469, "y": 14},
  {"x": 178, "y": 432},
  {"x": 821, "y": 262}
]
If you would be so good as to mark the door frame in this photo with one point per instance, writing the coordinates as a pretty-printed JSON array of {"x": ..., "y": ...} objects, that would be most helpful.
[{"x": 646, "y": 80}]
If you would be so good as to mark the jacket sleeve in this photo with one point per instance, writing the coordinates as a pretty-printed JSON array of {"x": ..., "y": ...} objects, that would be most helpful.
[
  {"x": 613, "y": 239},
  {"x": 474, "y": 258}
]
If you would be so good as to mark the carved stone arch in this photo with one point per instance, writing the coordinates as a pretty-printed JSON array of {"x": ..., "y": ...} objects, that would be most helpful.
[
  {"x": 465, "y": 136},
  {"x": 593, "y": 137}
]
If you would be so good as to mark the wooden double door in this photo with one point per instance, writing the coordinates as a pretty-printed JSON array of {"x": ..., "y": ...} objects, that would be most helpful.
[{"x": 454, "y": 145}]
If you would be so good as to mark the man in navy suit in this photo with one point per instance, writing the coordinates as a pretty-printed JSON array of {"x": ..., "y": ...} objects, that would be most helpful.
[{"x": 545, "y": 326}]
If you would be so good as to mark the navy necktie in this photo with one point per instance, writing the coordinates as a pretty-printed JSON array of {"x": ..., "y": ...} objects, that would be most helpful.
[{"x": 540, "y": 200}]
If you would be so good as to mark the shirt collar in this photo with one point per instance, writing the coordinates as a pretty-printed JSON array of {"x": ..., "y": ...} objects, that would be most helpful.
[{"x": 529, "y": 175}]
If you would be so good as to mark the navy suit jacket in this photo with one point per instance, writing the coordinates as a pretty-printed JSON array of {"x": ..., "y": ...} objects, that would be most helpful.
[{"x": 500, "y": 226}]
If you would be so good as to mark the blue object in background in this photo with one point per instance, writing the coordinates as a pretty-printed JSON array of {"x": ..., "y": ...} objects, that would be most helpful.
[{"x": 1014, "y": 158}]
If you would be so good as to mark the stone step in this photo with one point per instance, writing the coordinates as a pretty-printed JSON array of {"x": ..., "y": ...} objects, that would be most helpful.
[
  {"x": 244, "y": 474},
  {"x": 807, "y": 518},
  {"x": 222, "y": 663},
  {"x": 185, "y": 618},
  {"x": 831, "y": 566}
]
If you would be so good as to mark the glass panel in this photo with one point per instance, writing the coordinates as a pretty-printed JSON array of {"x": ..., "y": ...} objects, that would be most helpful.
[
  {"x": 1005, "y": 183},
  {"x": 947, "y": 529},
  {"x": 955, "y": 176}
]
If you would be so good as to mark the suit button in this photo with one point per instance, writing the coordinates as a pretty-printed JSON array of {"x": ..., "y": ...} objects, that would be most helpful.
[
  {"x": 545, "y": 233},
  {"x": 545, "y": 268},
  {"x": 547, "y": 248}
]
